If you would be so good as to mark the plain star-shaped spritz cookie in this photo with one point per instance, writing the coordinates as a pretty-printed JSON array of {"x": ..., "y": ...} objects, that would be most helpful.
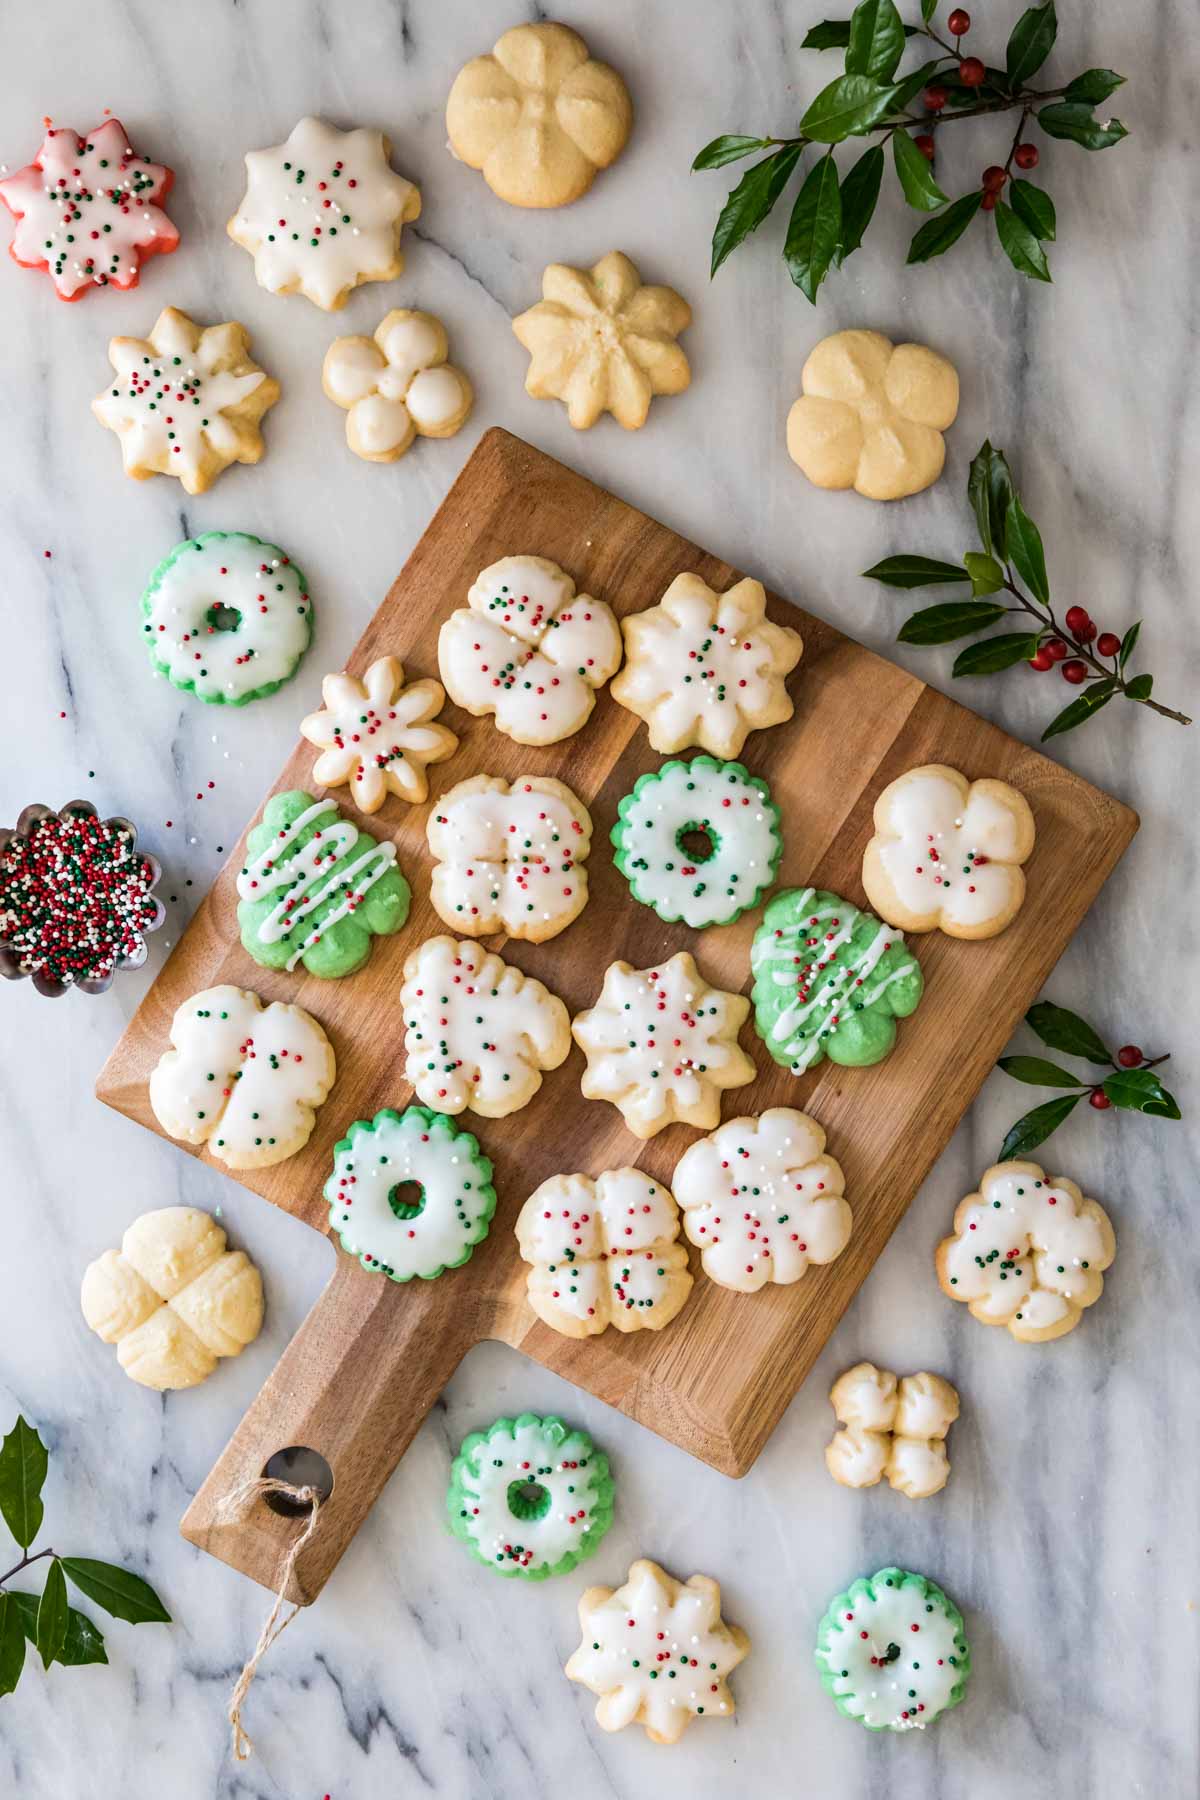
[
  {"x": 509, "y": 857},
  {"x": 186, "y": 401},
  {"x": 947, "y": 853},
  {"x": 707, "y": 668},
  {"x": 599, "y": 341},
  {"x": 397, "y": 385},
  {"x": 662, "y": 1045},
  {"x": 893, "y": 1428},
  {"x": 377, "y": 735},
  {"x": 323, "y": 211},
  {"x": 89, "y": 210},
  {"x": 657, "y": 1652}
]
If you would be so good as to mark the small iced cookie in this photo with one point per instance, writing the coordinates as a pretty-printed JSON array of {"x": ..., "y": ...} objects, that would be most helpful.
[
  {"x": 323, "y": 211},
  {"x": 698, "y": 841},
  {"x": 510, "y": 858},
  {"x": 707, "y": 668},
  {"x": 173, "y": 1299},
  {"x": 871, "y": 415},
  {"x": 662, "y": 1045},
  {"x": 762, "y": 1201},
  {"x": 396, "y": 386},
  {"x": 187, "y": 401},
  {"x": 893, "y": 1429},
  {"x": 530, "y": 1496},
  {"x": 947, "y": 853},
  {"x": 892, "y": 1652},
  {"x": 657, "y": 1652},
  {"x": 829, "y": 981},
  {"x": 315, "y": 889},
  {"x": 410, "y": 1193},
  {"x": 603, "y": 1252},
  {"x": 529, "y": 649},
  {"x": 89, "y": 211},
  {"x": 477, "y": 1032},
  {"x": 1028, "y": 1251},
  {"x": 242, "y": 1078},
  {"x": 379, "y": 736}
]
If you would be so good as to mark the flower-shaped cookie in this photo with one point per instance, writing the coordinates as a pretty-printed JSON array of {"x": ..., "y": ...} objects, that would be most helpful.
[
  {"x": 662, "y": 1045},
  {"x": 186, "y": 401},
  {"x": 378, "y": 735},
  {"x": 396, "y": 386},
  {"x": 871, "y": 415},
  {"x": 707, "y": 668},
  {"x": 1028, "y": 1252},
  {"x": 538, "y": 116},
  {"x": 324, "y": 211},
  {"x": 657, "y": 1652},
  {"x": 601, "y": 342},
  {"x": 947, "y": 853},
  {"x": 603, "y": 1252},
  {"x": 510, "y": 858},
  {"x": 762, "y": 1200},
  {"x": 893, "y": 1429}
]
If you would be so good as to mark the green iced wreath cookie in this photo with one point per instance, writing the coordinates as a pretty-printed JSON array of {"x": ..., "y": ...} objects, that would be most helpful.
[
  {"x": 698, "y": 841},
  {"x": 410, "y": 1193},
  {"x": 315, "y": 889},
  {"x": 892, "y": 1653},
  {"x": 829, "y": 980},
  {"x": 530, "y": 1496}
]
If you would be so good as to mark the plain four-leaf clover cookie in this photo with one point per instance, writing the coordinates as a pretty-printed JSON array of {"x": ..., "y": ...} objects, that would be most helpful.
[{"x": 871, "y": 415}]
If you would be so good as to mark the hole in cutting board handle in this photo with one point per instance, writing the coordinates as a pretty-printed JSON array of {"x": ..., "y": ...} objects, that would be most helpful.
[{"x": 301, "y": 1467}]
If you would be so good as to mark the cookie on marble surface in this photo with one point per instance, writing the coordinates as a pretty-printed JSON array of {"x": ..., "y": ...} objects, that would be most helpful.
[
  {"x": 530, "y": 1496},
  {"x": 397, "y": 385},
  {"x": 871, "y": 415},
  {"x": 892, "y": 1651},
  {"x": 891, "y": 1428}
]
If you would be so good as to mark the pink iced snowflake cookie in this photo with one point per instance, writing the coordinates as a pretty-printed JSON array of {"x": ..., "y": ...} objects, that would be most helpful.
[{"x": 378, "y": 736}]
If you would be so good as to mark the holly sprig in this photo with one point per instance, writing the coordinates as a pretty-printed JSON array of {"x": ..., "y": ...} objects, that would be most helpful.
[
  {"x": 56, "y": 1630},
  {"x": 831, "y": 212},
  {"x": 1132, "y": 1083},
  {"x": 1012, "y": 548}
]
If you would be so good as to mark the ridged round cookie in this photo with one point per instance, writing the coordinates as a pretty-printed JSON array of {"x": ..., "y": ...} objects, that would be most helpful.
[
  {"x": 698, "y": 841},
  {"x": 530, "y": 1496},
  {"x": 892, "y": 1652}
]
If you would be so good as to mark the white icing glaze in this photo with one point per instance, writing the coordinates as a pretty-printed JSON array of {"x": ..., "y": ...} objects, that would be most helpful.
[
  {"x": 197, "y": 586},
  {"x": 304, "y": 879},
  {"x": 893, "y": 1429},
  {"x": 723, "y": 804},
  {"x": 603, "y": 1252},
  {"x": 379, "y": 735},
  {"x": 529, "y": 1458},
  {"x": 453, "y": 1198},
  {"x": 509, "y": 858},
  {"x": 395, "y": 385},
  {"x": 950, "y": 863},
  {"x": 904, "y": 1691},
  {"x": 762, "y": 1200}
]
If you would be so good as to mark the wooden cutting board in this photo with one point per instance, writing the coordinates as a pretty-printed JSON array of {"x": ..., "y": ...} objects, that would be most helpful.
[{"x": 372, "y": 1356}]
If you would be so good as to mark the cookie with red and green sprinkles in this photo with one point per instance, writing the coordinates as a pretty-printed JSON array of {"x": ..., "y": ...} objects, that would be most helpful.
[
  {"x": 698, "y": 841},
  {"x": 410, "y": 1193},
  {"x": 892, "y": 1651},
  {"x": 530, "y": 1496}
]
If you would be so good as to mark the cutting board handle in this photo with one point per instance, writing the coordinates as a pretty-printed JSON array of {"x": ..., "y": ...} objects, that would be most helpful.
[{"x": 354, "y": 1385}]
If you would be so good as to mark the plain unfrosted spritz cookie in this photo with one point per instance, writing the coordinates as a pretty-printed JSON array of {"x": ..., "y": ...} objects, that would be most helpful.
[
  {"x": 396, "y": 386},
  {"x": 698, "y": 841},
  {"x": 893, "y": 1428},
  {"x": 530, "y": 1496},
  {"x": 1028, "y": 1251},
  {"x": 323, "y": 211},
  {"x": 377, "y": 736},
  {"x": 657, "y": 1652},
  {"x": 892, "y": 1651},
  {"x": 510, "y": 856},
  {"x": 871, "y": 415}
]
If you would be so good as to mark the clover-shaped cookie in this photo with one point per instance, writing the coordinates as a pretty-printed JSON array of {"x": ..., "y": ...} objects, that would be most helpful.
[
  {"x": 510, "y": 858},
  {"x": 379, "y": 735},
  {"x": 601, "y": 342},
  {"x": 539, "y": 116},
  {"x": 891, "y": 1428},
  {"x": 1028, "y": 1251},
  {"x": 871, "y": 415},
  {"x": 396, "y": 386}
]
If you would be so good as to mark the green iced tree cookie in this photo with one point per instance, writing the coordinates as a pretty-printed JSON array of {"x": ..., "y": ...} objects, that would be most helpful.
[
  {"x": 698, "y": 841},
  {"x": 530, "y": 1496},
  {"x": 892, "y": 1652}
]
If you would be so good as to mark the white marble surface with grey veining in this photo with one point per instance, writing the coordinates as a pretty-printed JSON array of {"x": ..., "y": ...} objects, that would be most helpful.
[{"x": 1068, "y": 1531}]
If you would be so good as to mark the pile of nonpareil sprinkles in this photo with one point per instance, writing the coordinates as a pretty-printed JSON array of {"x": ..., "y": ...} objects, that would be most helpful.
[{"x": 75, "y": 898}]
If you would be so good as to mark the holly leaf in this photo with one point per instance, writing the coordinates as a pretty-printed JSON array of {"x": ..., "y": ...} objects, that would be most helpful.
[
  {"x": 12, "y": 1644},
  {"x": 1140, "y": 1090},
  {"x": 82, "y": 1644},
  {"x": 1072, "y": 120},
  {"x": 1140, "y": 687},
  {"x": 1034, "y": 208},
  {"x": 1020, "y": 245},
  {"x": 914, "y": 572},
  {"x": 987, "y": 577},
  {"x": 51, "y": 1628},
  {"x": 990, "y": 489},
  {"x": 830, "y": 34},
  {"x": 751, "y": 200},
  {"x": 1127, "y": 644},
  {"x": 1031, "y": 42},
  {"x": 860, "y": 191},
  {"x": 23, "y": 1466},
  {"x": 1036, "y": 1126},
  {"x": 1038, "y": 1072},
  {"x": 724, "y": 150},
  {"x": 1093, "y": 86},
  {"x": 956, "y": 619},
  {"x": 916, "y": 175},
  {"x": 1066, "y": 1031},
  {"x": 849, "y": 105},
  {"x": 1023, "y": 543},
  {"x": 876, "y": 40},
  {"x": 814, "y": 228},
  {"x": 996, "y": 653},
  {"x": 938, "y": 235},
  {"x": 928, "y": 8},
  {"x": 119, "y": 1591},
  {"x": 1080, "y": 711}
]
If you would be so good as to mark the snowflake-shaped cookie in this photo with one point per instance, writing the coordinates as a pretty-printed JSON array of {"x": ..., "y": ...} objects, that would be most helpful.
[
  {"x": 88, "y": 210},
  {"x": 662, "y": 1045},
  {"x": 762, "y": 1200},
  {"x": 891, "y": 1428},
  {"x": 947, "y": 853},
  {"x": 242, "y": 1078},
  {"x": 323, "y": 211},
  {"x": 657, "y": 1652},
  {"x": 477, "y": 1032},
  {"x": 396, "y": 385},
  {"x": 707, "y": 668},
  {"x": 871, "y": 415},
  {"x": 529, "y": 649},
  {"x": 601, "y": 342},
  {"x": 510, "y": 858},
  {"x": 603, "y": 1252},
  {"x": 379, "y": 735},
  {"x": 186, "y": 401}
]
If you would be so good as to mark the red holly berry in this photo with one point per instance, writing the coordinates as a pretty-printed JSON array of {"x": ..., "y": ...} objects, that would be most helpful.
[
  {"x": 989, "y": 200},
  {"x": 1099, "y": 1099},
  {"x": 959, "y": 22},
  {"x": 1074, "y": 671},
  {"x": 1055, "y": 649},
  {"x": 1077, "y": 618},
  {"x": 971, "y": 71},
  {"x": 1108, "y": 643},
  {"x": 1041, "y": 658},
  {"x": 1026, "y": 156},
  {"x": 994, "y": 178},
  {"x": 1129, "y": 1056},
  {"x": 935, "y": 98},
  {"x": 925, "y": 144}
]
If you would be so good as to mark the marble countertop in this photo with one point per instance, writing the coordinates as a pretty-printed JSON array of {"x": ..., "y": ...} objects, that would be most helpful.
[{"x": 1068, "y": 1530}]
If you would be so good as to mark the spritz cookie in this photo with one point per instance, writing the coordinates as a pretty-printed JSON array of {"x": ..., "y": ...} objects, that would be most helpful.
[
  {"x": 892, "y": 1652},
  {"x": 891, "y": 1428},
  {"x": 509, "y": 857},
  {"x": 871, "y": 415},
  {"x": 530, "y": 1496},
  {"x": 698, "y": 841},
  {"x": 397, "y": 385},
  {"x": 377, "y": 735}
]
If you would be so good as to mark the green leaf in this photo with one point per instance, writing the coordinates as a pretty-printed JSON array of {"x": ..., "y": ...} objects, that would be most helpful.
[
  {"x": 995, "y": 653},
  {"x": 830, "y": 34},
  {"x": 12, "y": 1644},
  {"x": 82, "y": 1644},
  {"x": 1038, "y": 1072},
  {"x": 1080, "y": 711},
  {"x": 51, "y": 1630},
  {"x": 989, "y": 489},
  {"x": 916, "y": 175},
  {"x": 1020, "y": 245},
  {"x": 119, "y": 1591},
  {"x": 910, "y": 85},
  {"x": 1031, "y": 42},
  {"x": 928, "y": 8},
  {"x": 938, "y": 235},
  {"x": 814, "y": 228},
  {"x": 751, "y": 200},
  {"x": 914, "y": 572},
  {"x": 956, "y": 619},
  {"x": 1066, "y": 1031},
  {"x": 860, "y": 191},
  {"x": 1036, "y": 1126},
  {"x": 987, "y": 577},
  {"x": 1034, "y": 208},
  {"x": 1140, "y": 1090},
  {"x": 876, "y": 40},
  {"x": 1072, "y": 120},
  {"x": 846, "y": 107},
  {"x": 1093, "y": 86},
  {"x": 724, "y": 150},
  {"x": 23, "y": 1465},
  {"x": 1140, "y": 687},
  {"x": 1023, "y": 543},
  {"x": 1127, "y": 644}
]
